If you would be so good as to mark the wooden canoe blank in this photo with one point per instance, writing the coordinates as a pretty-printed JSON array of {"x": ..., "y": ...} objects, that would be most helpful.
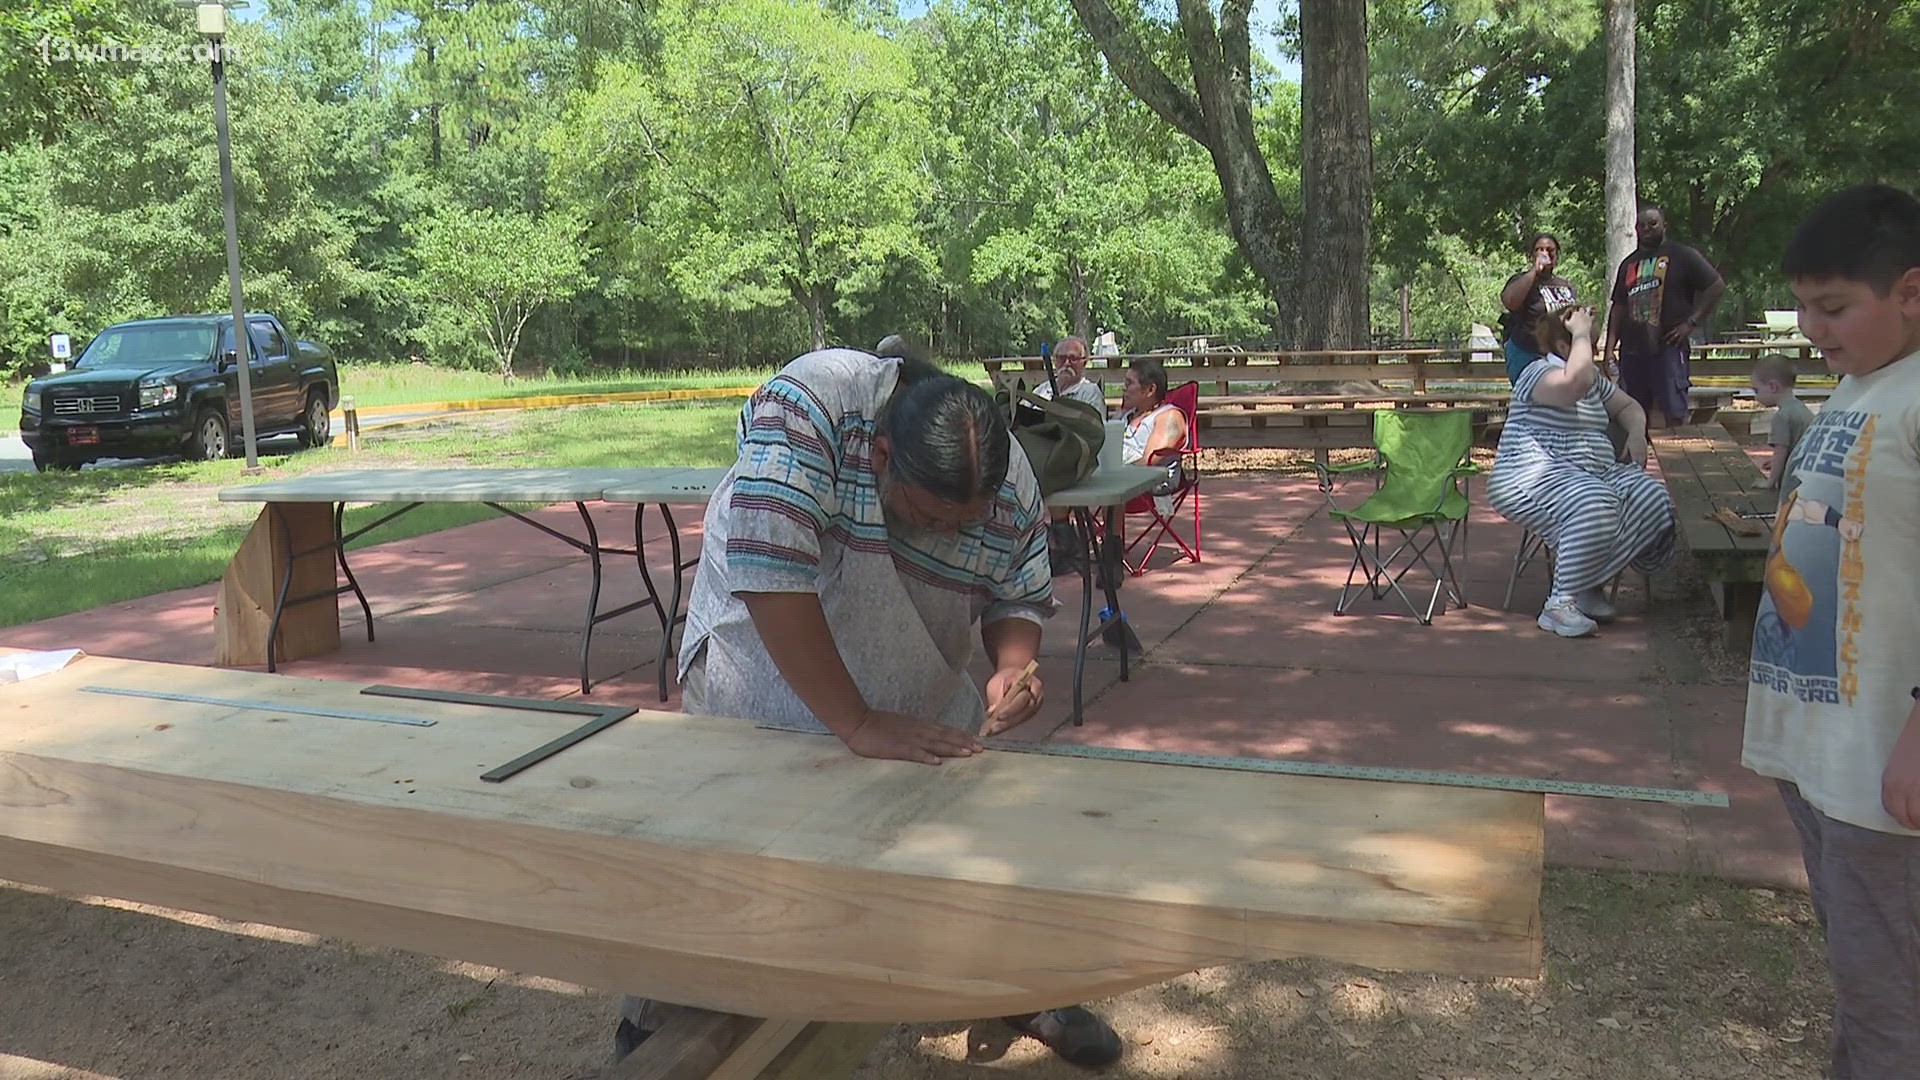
[{"x": 708, "y": 863}]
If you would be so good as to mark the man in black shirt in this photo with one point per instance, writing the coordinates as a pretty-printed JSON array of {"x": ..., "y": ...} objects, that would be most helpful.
[{"x": 1662, "y": 293}]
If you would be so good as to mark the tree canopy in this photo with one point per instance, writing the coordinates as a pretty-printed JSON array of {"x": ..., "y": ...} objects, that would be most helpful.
[{"x": 739, "y": 180}]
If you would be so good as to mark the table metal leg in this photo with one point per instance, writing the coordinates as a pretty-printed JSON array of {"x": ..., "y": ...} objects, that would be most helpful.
[
  {"x": 674, "y": 616},
  {"x": 340, "y": 554},
  {"x": 286, "y": 582},
  {"x": 592, "y": 548},
  {"x": 1112, "y": 565},
  {"x": 1084, "y": 528},
  {"x": 669, "y": 609}
]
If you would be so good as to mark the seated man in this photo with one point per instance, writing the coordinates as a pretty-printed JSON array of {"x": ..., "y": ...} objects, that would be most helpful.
[
  {"x": 1153, "y": 426},
  {"x": 1557, "y": 474},
  {"x": 1064, "y": 546},
  {"x": 1069, "y": 371}
]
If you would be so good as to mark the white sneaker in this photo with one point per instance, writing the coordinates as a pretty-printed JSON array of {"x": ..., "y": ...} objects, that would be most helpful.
[
  {"x": 1593, "y": 603},
  {"x": 1563, "y": 616}
]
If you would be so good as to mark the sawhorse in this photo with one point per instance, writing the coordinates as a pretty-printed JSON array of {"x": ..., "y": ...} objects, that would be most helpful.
[{"x": 694, "y": 1044}]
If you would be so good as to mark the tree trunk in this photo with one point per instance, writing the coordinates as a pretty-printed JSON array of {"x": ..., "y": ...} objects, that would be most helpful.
[
  {"x": 815, "y": 303},
  {"x": 1620, "y": 179},
  {"x": 433, "y": 108},
  {"x": 1336, "y": 174},
  {"x": 1080, "y": 302},
  {"x": 1216, "y": 112}
]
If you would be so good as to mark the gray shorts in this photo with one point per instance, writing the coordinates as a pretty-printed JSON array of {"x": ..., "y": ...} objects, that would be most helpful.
[{"x": 1866, "y": 893}]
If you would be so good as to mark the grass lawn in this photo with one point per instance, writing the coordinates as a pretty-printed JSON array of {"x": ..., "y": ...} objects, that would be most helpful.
[
  {"x": 73, "y": 541},
  {"x": 408, "y": 384}
]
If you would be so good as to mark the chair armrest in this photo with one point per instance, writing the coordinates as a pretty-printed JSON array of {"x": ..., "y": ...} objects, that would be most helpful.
[{"x": 1330, "y": 470}]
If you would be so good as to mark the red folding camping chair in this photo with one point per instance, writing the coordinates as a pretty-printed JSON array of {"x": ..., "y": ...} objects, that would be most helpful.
[{"x": 1160, "y": 528}]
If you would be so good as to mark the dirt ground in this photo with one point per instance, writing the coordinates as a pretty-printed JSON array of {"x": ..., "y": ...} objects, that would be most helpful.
[{"x": 1645, "y": 977}]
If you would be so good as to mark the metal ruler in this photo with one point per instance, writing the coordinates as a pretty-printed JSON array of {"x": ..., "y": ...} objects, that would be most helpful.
[
  {"x": 604, "y": 717},
  {"x": 1680, "y": 797},
  {"x": 264, "y": 706}
]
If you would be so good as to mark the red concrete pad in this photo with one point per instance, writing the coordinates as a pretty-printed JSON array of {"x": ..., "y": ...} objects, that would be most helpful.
[
  {"x": 1156, "y": 605},
  {"x": 1612, "y": 834},
  {"x": 1281, "y": 615},
  {"x": 554, "y": 600},
  {"x": 454, "y": 654},
  {"x": 1752, "y": 840},
  {"x": 1056, "y": 677},
  {"x": 1539, "y": 728},
  {"x": 171, "y": 627},
  {"x": 397, "y": 581}
]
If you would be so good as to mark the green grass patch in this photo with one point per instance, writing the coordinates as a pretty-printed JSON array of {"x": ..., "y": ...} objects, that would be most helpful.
[
  {"x": 412, "y": 384},
  {"x": 75, "y": 541}
]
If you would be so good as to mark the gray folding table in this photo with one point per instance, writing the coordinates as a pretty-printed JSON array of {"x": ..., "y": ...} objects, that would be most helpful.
[{"x": 488, "y": 487}]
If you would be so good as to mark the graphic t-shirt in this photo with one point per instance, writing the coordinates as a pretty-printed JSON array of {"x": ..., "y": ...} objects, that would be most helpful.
[
  {"x": 1836, "y": 649},
  {"x": 1661, "y": 289},
  {"x": 1551, "y": 294},
  {"x": 1790, "y": 421}
]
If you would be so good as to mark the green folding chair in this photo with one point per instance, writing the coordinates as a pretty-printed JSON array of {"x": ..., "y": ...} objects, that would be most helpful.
[{"x": 1423, "y": 471}]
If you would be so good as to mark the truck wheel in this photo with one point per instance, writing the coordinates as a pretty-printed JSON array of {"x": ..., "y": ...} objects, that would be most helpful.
[
  {"x": 48, "y": 464},
  {"x": 316, "y": 427},
  {"x": 209, "y": 437}
]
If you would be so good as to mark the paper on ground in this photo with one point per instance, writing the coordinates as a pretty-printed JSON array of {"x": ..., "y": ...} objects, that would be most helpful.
[{"x": 19, "y": 667}]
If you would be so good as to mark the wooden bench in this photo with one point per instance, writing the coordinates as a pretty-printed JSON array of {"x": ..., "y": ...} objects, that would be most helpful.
[{"x": 1706, "y": 471}]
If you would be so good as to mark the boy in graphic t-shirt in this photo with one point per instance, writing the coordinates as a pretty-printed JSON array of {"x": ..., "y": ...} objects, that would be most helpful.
[{"x": 1832, "y": 710}]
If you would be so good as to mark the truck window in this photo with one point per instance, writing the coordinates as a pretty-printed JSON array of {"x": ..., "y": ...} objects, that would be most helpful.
[
  {"x": 148, "y": 346},
  {"x": 266, "y": 338}
]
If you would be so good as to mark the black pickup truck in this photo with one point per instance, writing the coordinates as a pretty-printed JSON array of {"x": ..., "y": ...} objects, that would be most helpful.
[{"x": 158, "y": 387}]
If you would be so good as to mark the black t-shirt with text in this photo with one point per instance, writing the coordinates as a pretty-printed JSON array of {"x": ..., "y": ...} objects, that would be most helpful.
[
  {"x": 1550, "y": 293},
  {"x": 1661, "y": 289}
]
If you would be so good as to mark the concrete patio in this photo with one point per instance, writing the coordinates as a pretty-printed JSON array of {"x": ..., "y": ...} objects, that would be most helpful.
[{"x": 1244, "y": 656}]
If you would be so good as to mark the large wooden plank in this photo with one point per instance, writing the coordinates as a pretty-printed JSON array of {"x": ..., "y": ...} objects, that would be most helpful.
[{"x": 705, "y": 862}]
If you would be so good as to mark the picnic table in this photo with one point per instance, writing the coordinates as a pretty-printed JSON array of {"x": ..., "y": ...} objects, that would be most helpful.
[
  {"x": 1707, "y": 473},
  {"x": 279, "y": 597}
]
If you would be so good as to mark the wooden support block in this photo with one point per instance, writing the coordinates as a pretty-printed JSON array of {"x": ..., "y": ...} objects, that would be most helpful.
[
  {"x": 251, "y": 585},
  {"x": 1739, "y": 603},
  {"x": 767, "y": 1042},
  {"x": 826, "y": 1052},
  {"x": 689, "y": 1045}
]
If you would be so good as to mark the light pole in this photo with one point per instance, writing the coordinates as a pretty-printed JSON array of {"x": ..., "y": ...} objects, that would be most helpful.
[{"x": 210, "y": 18}]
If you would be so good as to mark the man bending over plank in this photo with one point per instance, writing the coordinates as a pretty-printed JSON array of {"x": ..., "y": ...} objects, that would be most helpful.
[{"x": 878, "y": 512}]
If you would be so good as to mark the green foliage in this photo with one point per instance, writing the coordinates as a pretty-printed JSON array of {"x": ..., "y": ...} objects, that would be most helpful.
[
  {"x": 1489, "y": 121},
  {"x": 1062, "y": 199},
  {"x": 749, "y": 177},
  {"x": 497, "y": 268},
  {"x": 779, "y": 149}
]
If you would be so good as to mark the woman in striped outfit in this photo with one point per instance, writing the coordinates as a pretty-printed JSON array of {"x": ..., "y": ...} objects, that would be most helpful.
[{"x": 1558, "y": 475}]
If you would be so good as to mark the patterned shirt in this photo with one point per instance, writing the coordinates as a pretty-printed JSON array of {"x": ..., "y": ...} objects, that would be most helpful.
[{"x": 800, "y": 511}]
